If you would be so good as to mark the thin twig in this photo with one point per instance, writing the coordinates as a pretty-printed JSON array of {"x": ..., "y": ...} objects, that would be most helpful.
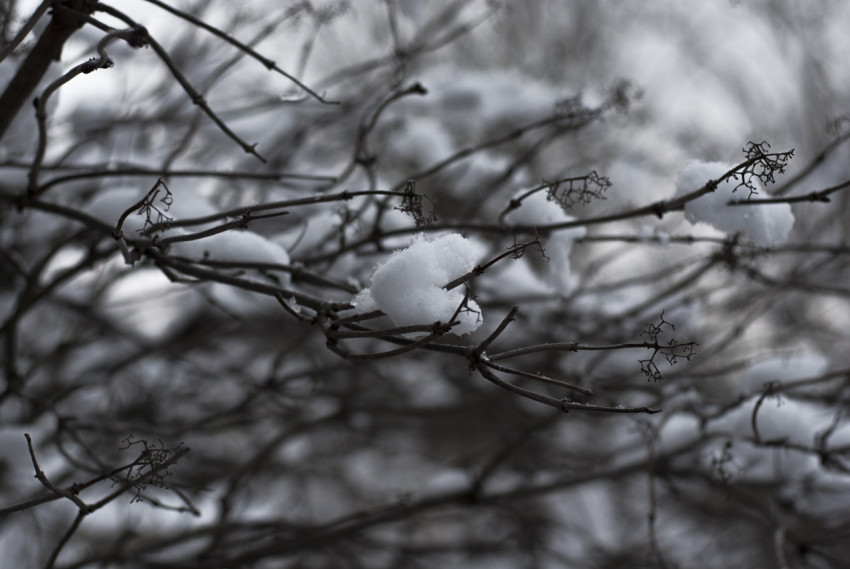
[
  {"x": 574, "y": 347},
  {"x": 39, "y": 474},
  {"x": 135, "y": 37},
  {"x": 657, "y": 209},
  {"x": 539, "y": 377},
  {"x": 196, "y": 97},
  {"x": 65, "y": 537},
  {"x": 413, "y": 345},
  {"x": 271, "y": 65},
  {"x": 561, "y": 404},
  {"x": 239, "y": 211},
  {"x": 482, "y": 347},
  {"x": 817, "y": 196},
  {"x": 25, "y": 30},
  {"x": 241, "y": 223},
  {"x": 107, "y": 171}
]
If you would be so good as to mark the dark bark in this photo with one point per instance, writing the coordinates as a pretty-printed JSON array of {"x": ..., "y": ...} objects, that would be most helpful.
[{"x": 67, "y": 17}]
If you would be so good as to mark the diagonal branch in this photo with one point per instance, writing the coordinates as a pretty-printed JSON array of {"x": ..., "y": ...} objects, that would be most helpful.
[
  {"x": 63, "y": 24},
  {"x": 271, "y": 65},
  {"x": 193, "y": 93}
]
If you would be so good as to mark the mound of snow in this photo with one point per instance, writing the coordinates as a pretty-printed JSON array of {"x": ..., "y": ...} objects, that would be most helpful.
[
  {"x": 233, "y": 246},
  {"x": 766, "y": 224},
  {"x": 408, "y": 287}
]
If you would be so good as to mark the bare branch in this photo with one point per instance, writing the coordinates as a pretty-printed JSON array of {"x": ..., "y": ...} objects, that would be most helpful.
[{"x": 271, "y": 65}]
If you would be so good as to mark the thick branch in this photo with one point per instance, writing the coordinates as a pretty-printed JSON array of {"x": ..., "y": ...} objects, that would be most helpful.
[{"x": 63, "y": 25}]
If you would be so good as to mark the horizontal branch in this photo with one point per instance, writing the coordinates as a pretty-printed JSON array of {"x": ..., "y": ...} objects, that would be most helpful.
[
  {"x": 576, "y": 347},
  {"x": 538, "y": 377},
  {"x": 818, "y": 196},
  {"x": 560, "y": 404},
  {"x": 107, "y": 171},
  {"x": 243, "y": 210},
  {"x": 657, "y": 209},
  {"x": 203, "y": 274}
]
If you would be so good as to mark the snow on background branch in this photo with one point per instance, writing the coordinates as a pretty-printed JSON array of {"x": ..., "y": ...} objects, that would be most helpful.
[{"x": 504, "y": 291}]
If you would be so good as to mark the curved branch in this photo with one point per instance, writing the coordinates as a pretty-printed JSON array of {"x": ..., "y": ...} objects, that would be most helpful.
[{"x": 271, "y": 65}]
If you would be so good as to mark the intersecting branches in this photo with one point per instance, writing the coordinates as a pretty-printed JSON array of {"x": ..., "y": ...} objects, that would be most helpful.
[
  {"x": 339, "y": 329},
  {"x": 412, "y": 204},
  {"x": 581, "y": 190},
  {"x": 671, "y": 350},
  {"x": 761, "y": 165},
  {"x": 426, "y": 333},
  {"x": 516, "y": 251},
  {"x": 136, "y": 37},
  {"x": 477, "y": 356},
  {"x": 178, "y": 75},
  {"x": 64, "y": 23},
  {"x": 271, "y": 374},
  {"x": 150, "y": 467},
  {"x": 268, "y": 63},
  {"x": 362, "y": 155},
  {"x": 567, "y": 192},
  {"x": 479, "y": 360},
  {"x": 820, "y": 196},
  {"x": 25, "y": 29},
  {"x": 155, "y": 211}
]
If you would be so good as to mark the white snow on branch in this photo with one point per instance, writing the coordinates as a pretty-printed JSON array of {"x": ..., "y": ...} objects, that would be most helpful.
[
  {"x": 409, "y": 286},
  {"x": 234, "y": 246},
  {"x": 538, "y": 210},
  {"x": 766, "y": 224}
]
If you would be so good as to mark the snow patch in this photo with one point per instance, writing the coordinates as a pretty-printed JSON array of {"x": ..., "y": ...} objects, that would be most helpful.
[
  {"x": 233, "y": 246},
  {"x": 767, "y": 224},
  {"x": 408, "y": 287},
  {"x": 537, "y": 210}
]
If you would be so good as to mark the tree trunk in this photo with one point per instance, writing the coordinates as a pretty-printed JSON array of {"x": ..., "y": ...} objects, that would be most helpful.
[{"x": 68, "y": 16}]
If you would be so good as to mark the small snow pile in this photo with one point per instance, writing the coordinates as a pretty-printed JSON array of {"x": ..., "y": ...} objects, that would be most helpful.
[
  {"x": 766, "y": 224},
  {"x": 233, "y": 246},
  {"x": 236, "y": 246},
  {"x": 408, "y": 287},
  {"x": 538, "y": 210}
]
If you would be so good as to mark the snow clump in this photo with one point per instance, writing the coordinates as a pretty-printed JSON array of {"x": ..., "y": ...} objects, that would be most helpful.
[
  {"x": 233, "y": 246},
  {"x": 408, "y": 287},
  {"x": 766, "y": 224}
]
